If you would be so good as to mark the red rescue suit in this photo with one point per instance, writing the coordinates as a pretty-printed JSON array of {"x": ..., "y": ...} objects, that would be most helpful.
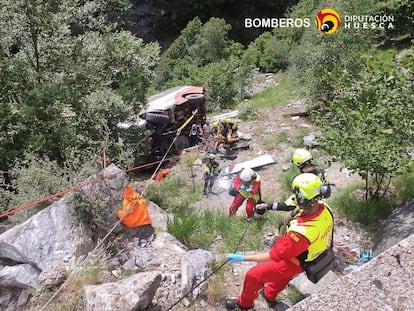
[
  {"x": 251, "y": 194},
  {"x": 284, "y": 264}
]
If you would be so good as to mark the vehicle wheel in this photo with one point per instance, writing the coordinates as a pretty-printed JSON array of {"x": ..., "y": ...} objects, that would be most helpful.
[
  {"x": 157, "y": 118},
  {"x": 195, "y": 99}
]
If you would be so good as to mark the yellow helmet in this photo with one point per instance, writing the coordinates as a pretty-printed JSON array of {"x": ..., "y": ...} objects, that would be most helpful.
[
  {"x": 307, "y": 186},
  {"x": 301, "y": 156},
  {"x": 227, "y": 120},
  {"x": 212, "y": 156}
]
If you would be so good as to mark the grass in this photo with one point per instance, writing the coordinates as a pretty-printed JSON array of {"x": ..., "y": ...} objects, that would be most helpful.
[
  {"x": 275, "y": 139},
  {"x": 293, "y": 294},
  {"x": 277, "y": 95},
  {"x": 351, "y": 205},
  {"x": 175, "y": 192},
  {"x": 297, "y": 141},
  {"x": 202, "y": 229}
]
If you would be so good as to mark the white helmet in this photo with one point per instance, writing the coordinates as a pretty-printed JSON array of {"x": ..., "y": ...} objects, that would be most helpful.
[{"x": 247, "y": 174}]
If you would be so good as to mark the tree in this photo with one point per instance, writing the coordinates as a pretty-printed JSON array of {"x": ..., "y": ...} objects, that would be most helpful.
[
  {"x": 203, "y": 55},
  {"x": 177, "y": 55},
  {"x": 267, "y": 52},
  {"x": 369, "y": 128},
  {"x": 324, "y": 64},
  {"x": 68, "y": 77}
]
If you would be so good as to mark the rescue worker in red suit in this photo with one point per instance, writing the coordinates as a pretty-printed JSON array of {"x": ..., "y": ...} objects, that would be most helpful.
[
  {"x": 306, "y": 238},
  {"x": 247, "y": 185}
]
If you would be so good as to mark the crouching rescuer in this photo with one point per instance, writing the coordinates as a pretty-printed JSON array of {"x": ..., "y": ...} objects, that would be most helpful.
[
  {"x": 246, "y": 187},
  {"x": 307, "y": 237}
]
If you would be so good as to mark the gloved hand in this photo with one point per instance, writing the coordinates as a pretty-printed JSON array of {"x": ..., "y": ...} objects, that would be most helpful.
[{"x": 235, "y": 257}]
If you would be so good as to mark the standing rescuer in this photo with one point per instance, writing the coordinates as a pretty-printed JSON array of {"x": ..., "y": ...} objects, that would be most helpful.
[
  {"x": 211, "y": 171},
  {"x": 306, "y": 238},
  {"x": 247, "y": 187}
]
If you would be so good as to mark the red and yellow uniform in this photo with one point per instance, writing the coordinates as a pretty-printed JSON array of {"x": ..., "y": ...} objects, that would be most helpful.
[
  {"x": 306, "y": 238},
  {"x": 251, "y": 194}
]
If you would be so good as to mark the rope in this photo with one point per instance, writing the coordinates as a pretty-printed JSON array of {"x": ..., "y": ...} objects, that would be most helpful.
[
  {"x": 211, "y": 273},
  {"x": 76, "y": 187},
  {"x": 120, "y": 220}
]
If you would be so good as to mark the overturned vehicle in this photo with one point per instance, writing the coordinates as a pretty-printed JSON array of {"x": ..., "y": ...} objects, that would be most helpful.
[{"x": 165, "y": 112}]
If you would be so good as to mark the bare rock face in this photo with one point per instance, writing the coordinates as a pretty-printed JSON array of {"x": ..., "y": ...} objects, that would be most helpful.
[
  {"x": 46, "y": 237},
  {"x": 20, "y": 276},
  {"x": 399, "y": 225},
  {"x": 133, "y": 293},
  {"x": 193, "y": 268},
  {"x": 53, "y": 235}
]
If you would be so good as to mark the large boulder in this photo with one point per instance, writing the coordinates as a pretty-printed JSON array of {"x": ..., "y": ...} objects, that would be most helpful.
[
  {"x": 54, "y": 234},
  {"x": 194, "y": 265},
  {"x": 50, "y": 235},
  {"x": 130, "y": 294}
]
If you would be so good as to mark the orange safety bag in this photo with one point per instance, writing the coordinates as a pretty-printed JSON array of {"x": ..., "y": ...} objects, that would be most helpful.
[{"x": 134, "y": 211}]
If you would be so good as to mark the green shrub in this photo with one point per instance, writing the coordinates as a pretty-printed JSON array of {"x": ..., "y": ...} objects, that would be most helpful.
[
  {"x": 93, "y": 209},
  {"x": 350, "y": 202},
  {"x": 204, "y": 55},
  {"x": 268, "y": 53},
  {"x": 34, "y": 179},
  {"x": 404, "y": 188}
]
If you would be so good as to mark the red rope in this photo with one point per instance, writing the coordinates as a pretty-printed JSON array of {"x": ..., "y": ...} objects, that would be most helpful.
[{"x": 73, "y": 188}]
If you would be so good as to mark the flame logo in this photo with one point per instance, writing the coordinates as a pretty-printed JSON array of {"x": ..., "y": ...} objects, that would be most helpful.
[{"x": 328, "y": 21}]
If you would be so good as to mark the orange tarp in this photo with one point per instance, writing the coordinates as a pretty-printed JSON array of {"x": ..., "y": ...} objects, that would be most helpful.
[{"x": 134, "y": 211}]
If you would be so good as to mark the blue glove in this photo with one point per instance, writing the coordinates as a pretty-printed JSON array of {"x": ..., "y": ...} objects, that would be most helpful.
[{"x": 235, "y": 257}]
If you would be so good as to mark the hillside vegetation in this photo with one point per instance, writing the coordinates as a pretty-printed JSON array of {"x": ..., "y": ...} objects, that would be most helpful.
[{"x": 69, "y": 77}]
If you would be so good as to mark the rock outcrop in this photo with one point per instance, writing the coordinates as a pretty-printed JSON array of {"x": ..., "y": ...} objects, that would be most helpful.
[
  {"x": 384, "y": 283},
  {"x": 41, "y": 252}
]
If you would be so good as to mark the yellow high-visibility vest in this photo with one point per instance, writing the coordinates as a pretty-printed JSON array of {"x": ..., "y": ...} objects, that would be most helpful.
[{"x": 317, "y": 230}]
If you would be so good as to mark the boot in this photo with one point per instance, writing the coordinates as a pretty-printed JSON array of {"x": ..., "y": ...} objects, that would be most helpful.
[
  {"x": 270, "y": 303},
  {"x": 231, "y": 304}
]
